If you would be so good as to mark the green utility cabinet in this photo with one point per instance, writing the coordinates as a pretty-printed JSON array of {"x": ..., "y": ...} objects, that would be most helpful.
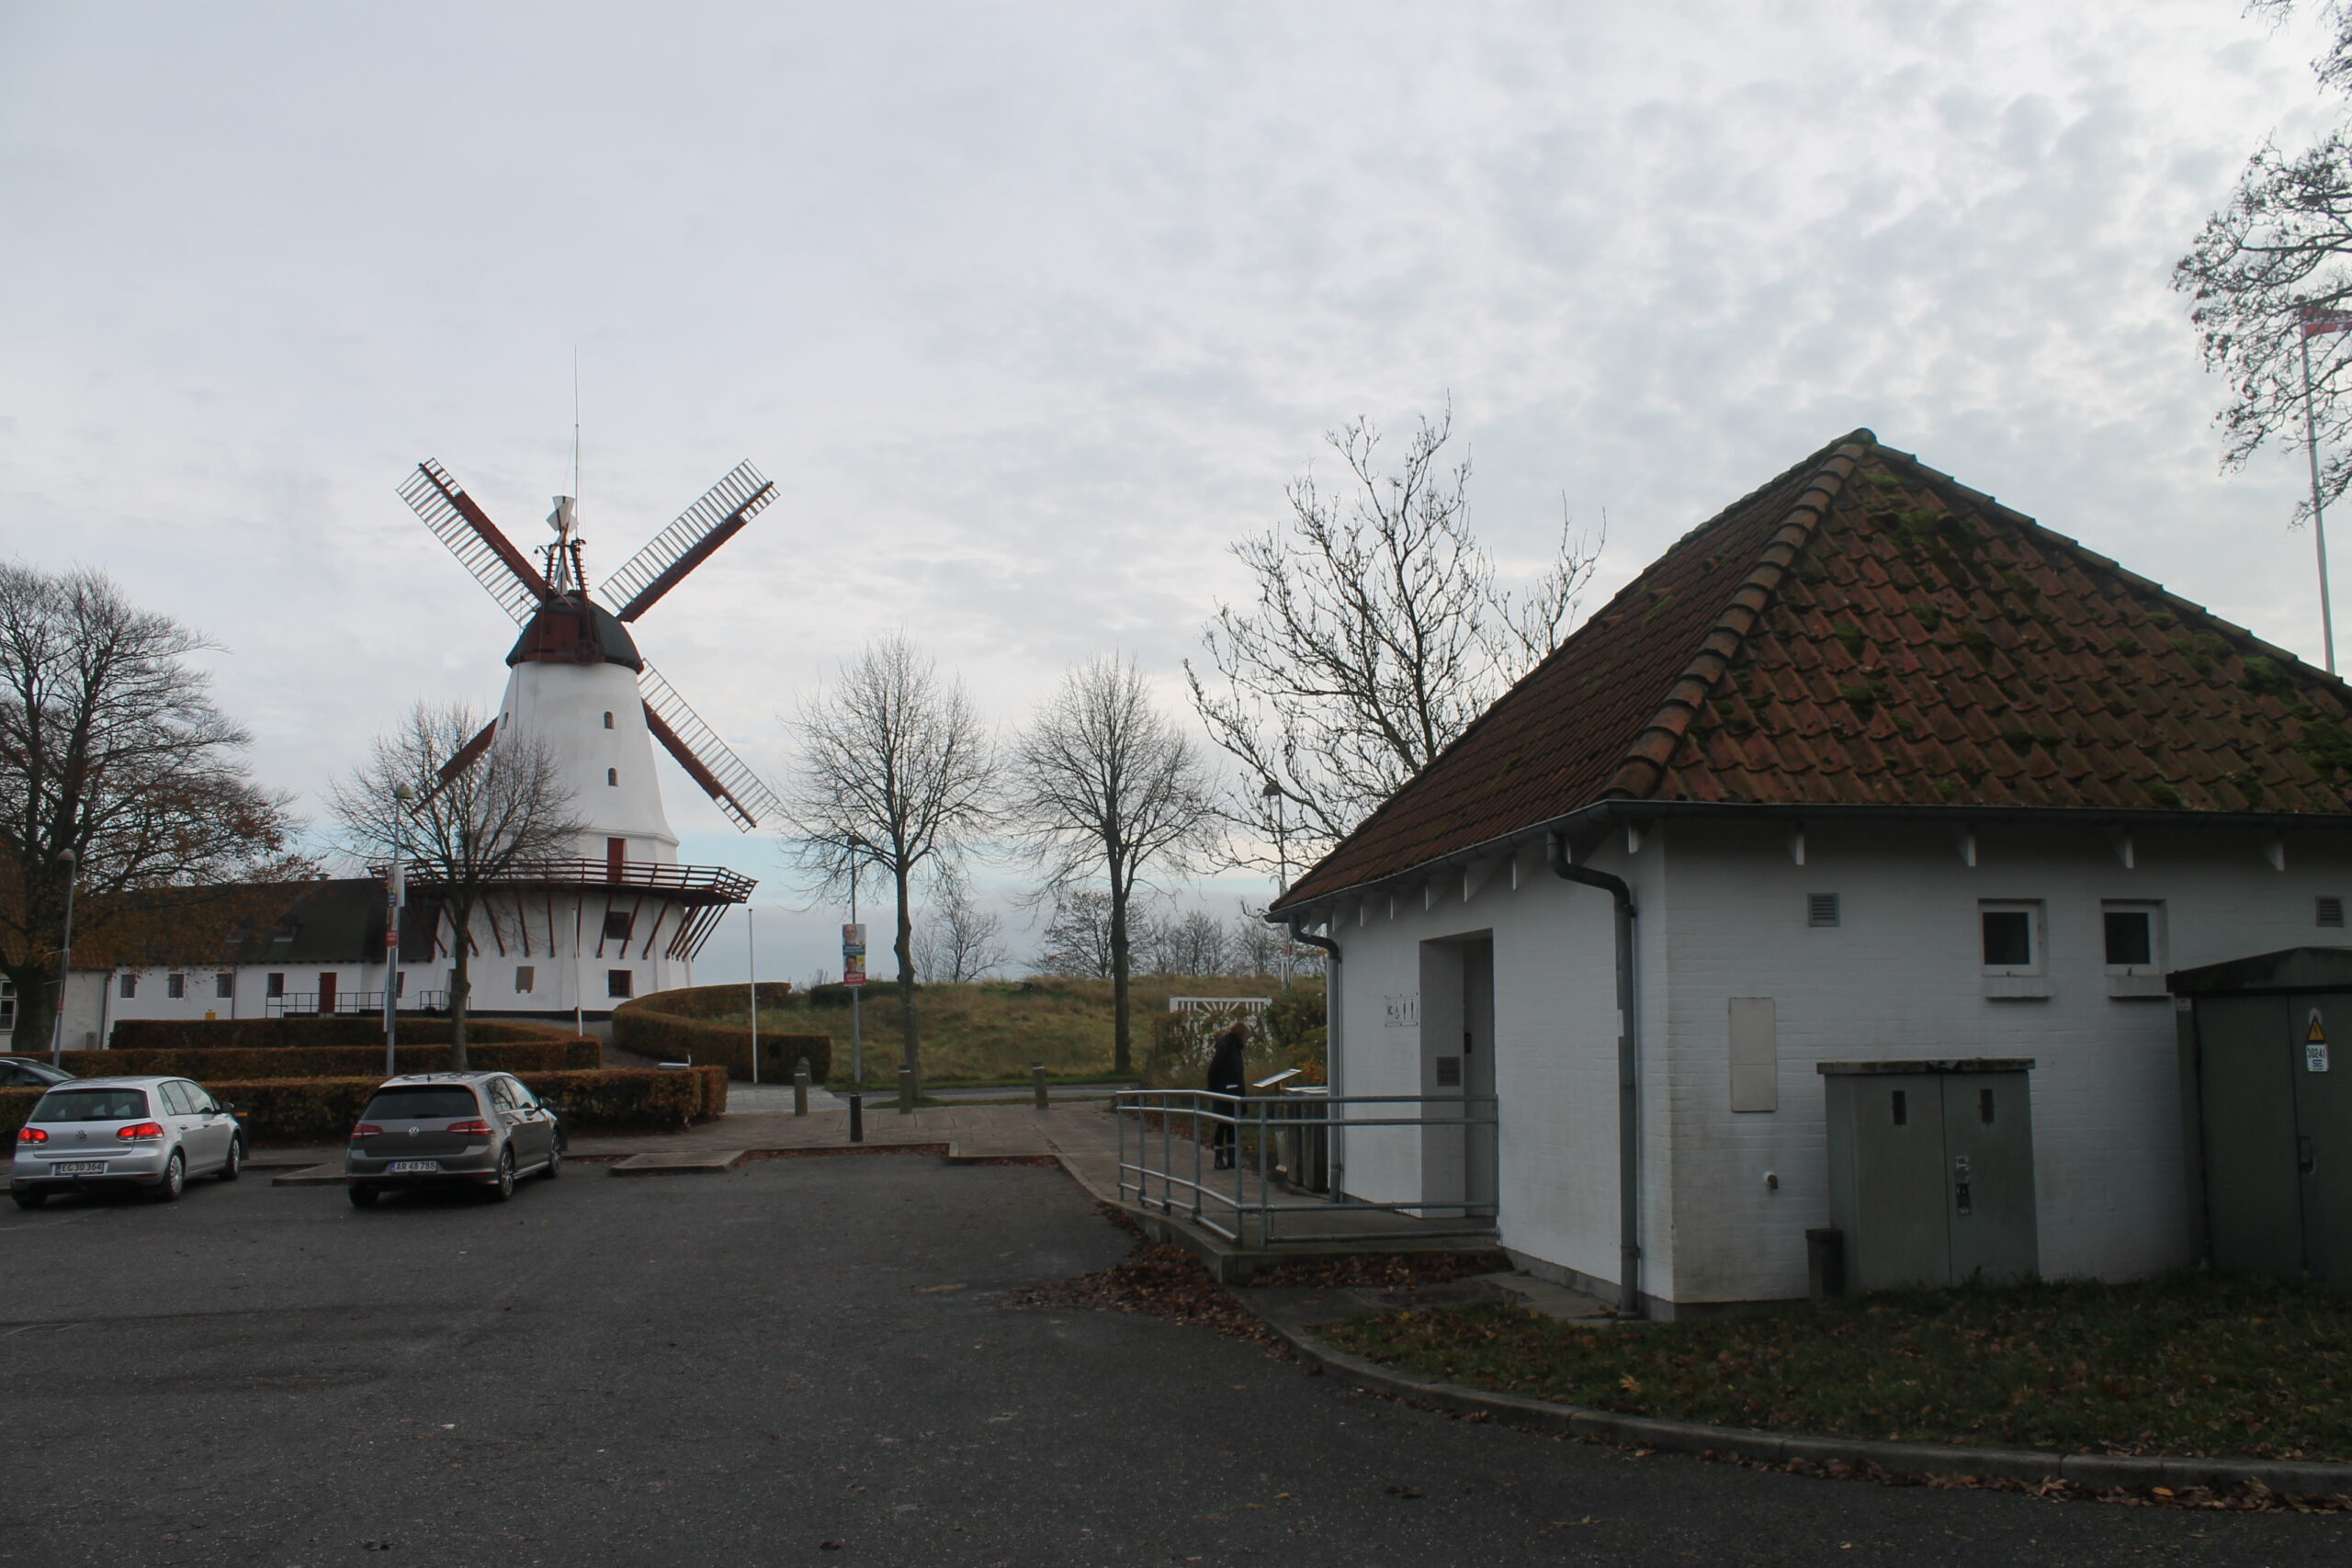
[
  {"x": 1931, "y": 1171},
  {"x": 2271, "y": 1142}
]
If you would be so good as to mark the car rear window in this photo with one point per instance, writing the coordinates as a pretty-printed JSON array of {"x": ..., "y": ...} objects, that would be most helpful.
[
  {"x": 422, "y": 1103},
  {"x": 91, "y": 1105}
]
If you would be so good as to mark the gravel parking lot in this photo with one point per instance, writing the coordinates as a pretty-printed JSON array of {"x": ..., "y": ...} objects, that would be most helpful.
[{"x": 813, "y": 1361}]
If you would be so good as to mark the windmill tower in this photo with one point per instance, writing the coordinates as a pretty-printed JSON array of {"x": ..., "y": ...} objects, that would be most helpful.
[{"x": 621, "y": 916}]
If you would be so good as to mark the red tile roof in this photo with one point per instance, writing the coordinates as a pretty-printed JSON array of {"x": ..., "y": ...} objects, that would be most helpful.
[{"x": 1865, "y": 631}]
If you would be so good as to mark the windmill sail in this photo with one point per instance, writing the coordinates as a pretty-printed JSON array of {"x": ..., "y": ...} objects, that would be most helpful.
[
  {"x": 475, "y": 540},
  {"x": 724, "y": 776},
  {"x": 685, "y": 544}
]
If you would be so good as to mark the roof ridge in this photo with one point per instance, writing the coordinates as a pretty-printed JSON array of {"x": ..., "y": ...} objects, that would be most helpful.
[{"x": 1644, "y": 762}]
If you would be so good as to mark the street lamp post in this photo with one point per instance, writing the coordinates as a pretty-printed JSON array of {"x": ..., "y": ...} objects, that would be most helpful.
[
  {"x": 1282, "y": 872},
  {"x": 72, "y": 864},
  {"x": 856, "y": 993},
  {"x": 395, "y": 898}
]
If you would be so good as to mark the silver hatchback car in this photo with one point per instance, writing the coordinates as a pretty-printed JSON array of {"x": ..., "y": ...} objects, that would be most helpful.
[
  {"x": 436, "y": 1129},
  {"x": 150, "y": 1133}
]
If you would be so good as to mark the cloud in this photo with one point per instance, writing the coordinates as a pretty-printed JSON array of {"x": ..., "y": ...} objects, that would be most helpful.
[{"x": 1031, "y": 310}]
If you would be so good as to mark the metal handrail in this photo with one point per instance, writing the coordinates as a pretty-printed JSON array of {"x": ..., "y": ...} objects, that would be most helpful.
[{"x": 1228, "y": 1214}]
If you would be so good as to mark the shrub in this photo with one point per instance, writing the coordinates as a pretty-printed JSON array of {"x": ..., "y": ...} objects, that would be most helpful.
[
  {"x": 15, "y": 1104},
  {"x": 577, "y": 1053},
  {"x": 343, "y": 1029},
  {"x": 321, "y": 1110},
  {"x": 678, "y": 1026},
  {"x": 833, "y": 993}
]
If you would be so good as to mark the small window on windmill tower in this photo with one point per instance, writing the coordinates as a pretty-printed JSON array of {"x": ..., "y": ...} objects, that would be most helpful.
[
  {"x": 2330, "y": 909},
  {"x": 613, "y": 777},
  {"x": 609, "y": 719},
  {"x": 617, "y": 925},
  {"x": 1821, "y": 909},
  {"x": 619, "y": 983}
]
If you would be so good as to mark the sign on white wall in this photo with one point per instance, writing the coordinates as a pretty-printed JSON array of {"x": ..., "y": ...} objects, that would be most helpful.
[{"x": 1404, "y": 1009}]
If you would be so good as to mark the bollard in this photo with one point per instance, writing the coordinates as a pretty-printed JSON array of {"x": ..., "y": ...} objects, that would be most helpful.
[
  {"x": 1037, "y": 1077},
  {"x": 800, "y": 1087},
  {"x": 906, "y": 1091},
  {"x": 857, "y": 1118}
]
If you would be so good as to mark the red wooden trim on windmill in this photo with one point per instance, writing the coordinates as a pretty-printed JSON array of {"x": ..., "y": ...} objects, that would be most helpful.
[
  {"x": 516, "y": 561},
  {"x": 676, "y": 571},
  {"x": 692, "y": 763},
  {"x": 468, "y": 755}
]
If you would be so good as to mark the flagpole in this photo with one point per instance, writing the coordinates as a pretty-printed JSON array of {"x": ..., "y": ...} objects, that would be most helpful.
[{"x": 2319, "y": 524}]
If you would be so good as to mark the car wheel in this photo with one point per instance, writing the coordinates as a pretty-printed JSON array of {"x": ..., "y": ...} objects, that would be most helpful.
[
  {"x": 236, "y": 1165},
  {"x": 361, "y": 1197},
  {"x": 174, "y": 1181},
  {"x": 504, "y": 1187},
  {"x": 28, "y": 1197},
  {"x": 555, "y": 1163}
]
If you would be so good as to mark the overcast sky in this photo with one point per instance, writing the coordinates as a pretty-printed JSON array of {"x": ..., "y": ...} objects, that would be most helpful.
[{"x": 1031, "y": 309}]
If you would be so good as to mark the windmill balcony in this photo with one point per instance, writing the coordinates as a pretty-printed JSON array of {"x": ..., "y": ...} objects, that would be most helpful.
[{"x": 696, "y": 884}]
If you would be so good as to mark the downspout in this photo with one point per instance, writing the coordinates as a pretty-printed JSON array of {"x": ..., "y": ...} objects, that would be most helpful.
[
  {"x": 1331, "y": 1015},
  {"x": 1629, "y": 1055}
]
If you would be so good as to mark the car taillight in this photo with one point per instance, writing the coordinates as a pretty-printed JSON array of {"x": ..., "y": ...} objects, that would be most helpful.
[
  {"x": 367, "y": 1130},
  {"x": 481, "y": 1128},
  {"x": 140, "y": 1131},
  {"x": 31, "y": 1135}
]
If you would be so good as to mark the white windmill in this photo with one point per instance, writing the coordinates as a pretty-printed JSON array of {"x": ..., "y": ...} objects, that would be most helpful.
[{"x": 579, "y": 688}]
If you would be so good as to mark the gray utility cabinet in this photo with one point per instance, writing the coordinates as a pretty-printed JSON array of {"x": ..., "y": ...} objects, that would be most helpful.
[
  {"x": 1931, "y": 1171},
  {"x": 2270, "y": 1082}
]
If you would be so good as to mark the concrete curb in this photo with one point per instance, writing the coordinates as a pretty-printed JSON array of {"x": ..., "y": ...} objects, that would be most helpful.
[{"x": 2094, "y": 1472}]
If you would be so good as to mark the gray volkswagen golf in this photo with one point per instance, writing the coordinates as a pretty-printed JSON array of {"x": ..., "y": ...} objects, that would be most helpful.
[
  {"x": 439, "y": 1129},
  {"x": 151, "y": 1133}
]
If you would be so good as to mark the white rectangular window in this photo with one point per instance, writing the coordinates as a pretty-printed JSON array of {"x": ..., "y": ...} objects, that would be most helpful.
[
  {"x": 224, "y": 984},
  {"x": 2133, "y": 933},
  {"x": 272, "y": 986},
  {"x": 2012, "y": 942},
  {"x": 129, "y": 985},
  {"x": 526, "y": 974},
  {"x": 619, "y": 983},
  {"x": 1755, "y": 1054},
  {"x": 176, "y": 986}
]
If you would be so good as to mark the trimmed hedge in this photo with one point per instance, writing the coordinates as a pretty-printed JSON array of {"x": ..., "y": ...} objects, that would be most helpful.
[
  {"x": 577, "y": 1054},
  {"x": 321, "y": 1110},
  {"x": 674, "y": 1026},
  {"x": 343, "y": 1029}
]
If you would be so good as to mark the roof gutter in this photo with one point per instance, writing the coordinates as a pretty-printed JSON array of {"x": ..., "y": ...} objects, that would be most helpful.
[
  {"x": 1605, "y": 813},
  {"x": 1629, "y": 1059}
]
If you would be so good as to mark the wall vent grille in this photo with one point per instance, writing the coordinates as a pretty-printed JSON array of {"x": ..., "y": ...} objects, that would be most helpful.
[{"x": 1821, "y": 909}]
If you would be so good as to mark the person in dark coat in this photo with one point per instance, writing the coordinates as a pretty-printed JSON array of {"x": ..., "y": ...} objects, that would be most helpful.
[{"x": 1225, "y": 1077}]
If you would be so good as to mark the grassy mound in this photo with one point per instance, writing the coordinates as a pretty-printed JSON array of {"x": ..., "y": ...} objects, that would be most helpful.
[{"x": 991, "y": 1031}]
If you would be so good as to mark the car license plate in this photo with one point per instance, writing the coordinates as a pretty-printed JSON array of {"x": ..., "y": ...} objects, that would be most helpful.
[
  {"x": 401, "y": 1166},
  {"x": 80, "y": 1168}
]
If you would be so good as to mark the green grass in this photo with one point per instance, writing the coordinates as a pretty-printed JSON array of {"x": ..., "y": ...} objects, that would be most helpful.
[
  {"x": 2190, "y": 1365},
  {"x": 991, "y": 1032}
]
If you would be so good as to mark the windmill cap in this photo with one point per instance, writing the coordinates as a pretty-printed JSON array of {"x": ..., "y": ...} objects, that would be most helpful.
[{"x": 575, "y": 630}]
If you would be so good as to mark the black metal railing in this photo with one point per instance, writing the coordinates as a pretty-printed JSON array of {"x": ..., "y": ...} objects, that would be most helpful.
[
  {"x": 305, "y": 1004},
  {"x": 692, "y": 884}
]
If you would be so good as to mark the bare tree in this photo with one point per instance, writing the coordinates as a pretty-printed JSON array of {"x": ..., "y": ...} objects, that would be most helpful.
[
  {"x": 1191, "y": 942},
  {"x": 112, "y": 752},
  {"x": 1378, "y": 634},
  {"x": 1257, "y": 946},
  {"x": 463, "y": 836},
  {"x": 1077, "y": 935},
  {"x": 2277, "y": 251},
  {"x": 957, "y": 941},
  {"x": 1104, "y": 790},
  {"x": 894, "y": 771}
]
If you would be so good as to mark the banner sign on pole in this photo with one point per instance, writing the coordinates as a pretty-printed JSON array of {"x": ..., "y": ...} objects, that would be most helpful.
[{"x": 854, "y": 956}]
